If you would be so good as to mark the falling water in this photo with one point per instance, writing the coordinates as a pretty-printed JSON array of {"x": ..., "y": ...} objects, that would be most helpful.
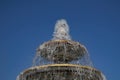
[
  {"x": 62, "y": 59},
  {"x": 61, "y": 39}
]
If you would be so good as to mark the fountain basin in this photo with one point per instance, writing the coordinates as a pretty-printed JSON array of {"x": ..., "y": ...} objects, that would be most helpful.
[{"x": 61, "y": 72}]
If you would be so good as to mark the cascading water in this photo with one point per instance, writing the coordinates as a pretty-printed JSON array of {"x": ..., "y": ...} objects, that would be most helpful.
[{"x": 61, "y": 59}]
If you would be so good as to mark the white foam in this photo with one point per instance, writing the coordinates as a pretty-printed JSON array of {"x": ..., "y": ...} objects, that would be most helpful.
[{"x": 61, "y": 30}]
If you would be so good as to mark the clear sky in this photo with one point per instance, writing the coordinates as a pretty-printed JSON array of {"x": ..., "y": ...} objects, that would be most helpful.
[{"x": 24, "y": 25}]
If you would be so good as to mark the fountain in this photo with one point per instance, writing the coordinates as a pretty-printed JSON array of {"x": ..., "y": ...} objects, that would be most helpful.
[{"x": 61, "y": 59}]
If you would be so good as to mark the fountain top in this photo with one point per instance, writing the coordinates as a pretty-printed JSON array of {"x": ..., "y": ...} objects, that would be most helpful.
[
  {"x": 61, "y": 30},
  {"x": 61, "y": 49}
]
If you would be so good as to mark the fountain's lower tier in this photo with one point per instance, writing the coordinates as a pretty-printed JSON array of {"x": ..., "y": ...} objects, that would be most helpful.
[{"x": 61, "y": 72}]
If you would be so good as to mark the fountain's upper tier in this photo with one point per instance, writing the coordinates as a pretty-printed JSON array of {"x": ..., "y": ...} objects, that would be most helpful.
[
  {"x": 61, "y": 30},
  {"x": 61, "y": 51}
]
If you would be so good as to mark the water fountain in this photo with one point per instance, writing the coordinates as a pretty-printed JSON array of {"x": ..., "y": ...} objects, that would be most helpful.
[{"x": 61, "y": 59}]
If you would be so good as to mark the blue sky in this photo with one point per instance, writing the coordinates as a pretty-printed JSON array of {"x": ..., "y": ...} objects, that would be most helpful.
[{"x": 24, "y": 25}]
